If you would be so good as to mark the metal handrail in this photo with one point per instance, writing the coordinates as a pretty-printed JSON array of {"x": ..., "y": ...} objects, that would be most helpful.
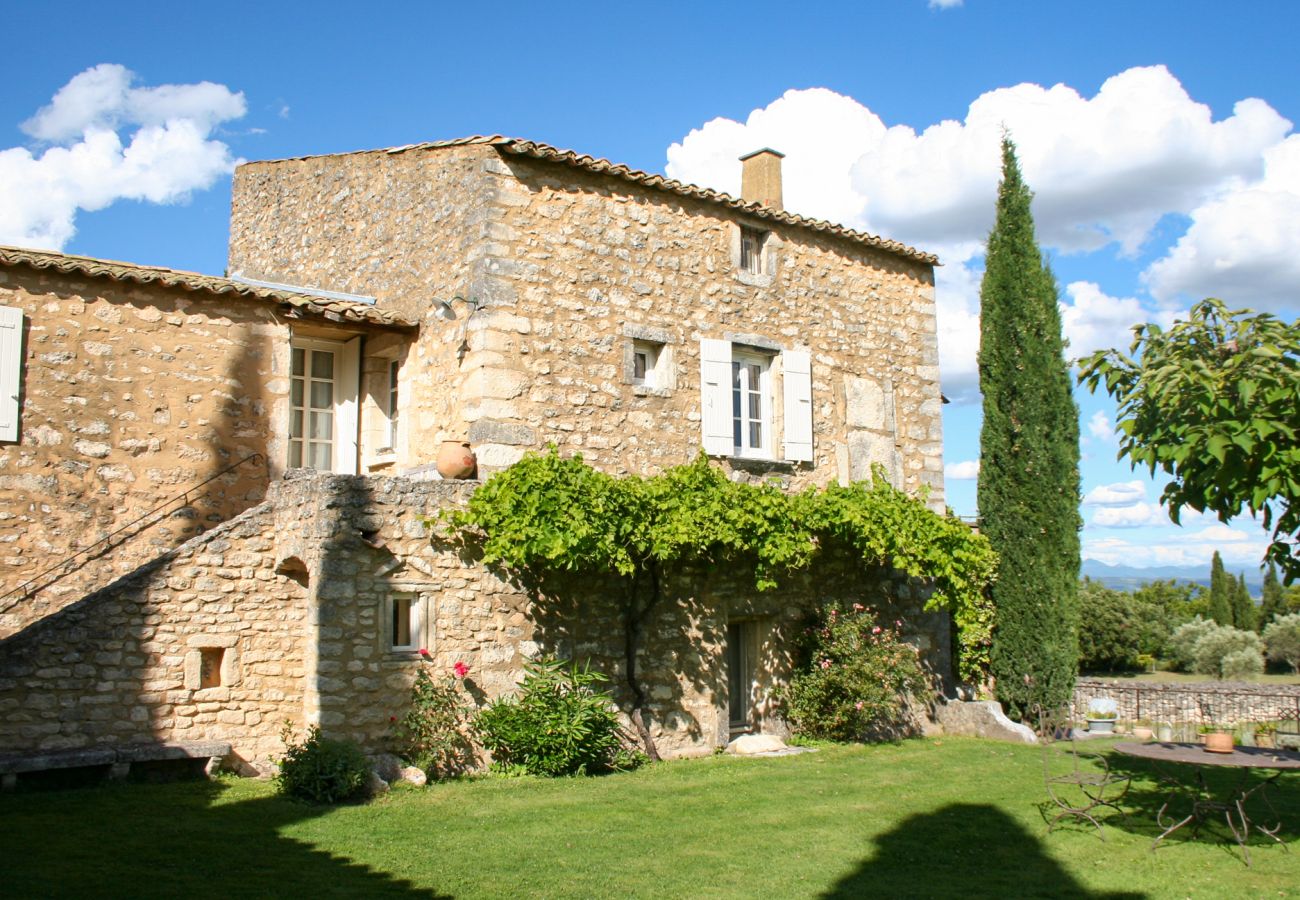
[{"x": 184, "y": 495}]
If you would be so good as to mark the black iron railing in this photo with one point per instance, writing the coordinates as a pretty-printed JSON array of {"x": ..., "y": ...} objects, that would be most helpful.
[{"x": 64, "y": 567}]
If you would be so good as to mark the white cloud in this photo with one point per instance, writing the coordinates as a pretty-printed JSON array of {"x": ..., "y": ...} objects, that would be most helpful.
[
  {"x": 1244, "y": 246},
  {"x": 1105, "y": 169},
  {"x": 967, "y": 470},
  {"x": 1171, "y": 546},
  {"x": 1123, "y": 493},
  {"x": 168, "y": 152},
  {"x": 1134, "y": 516},
  {"x": 1100, "y": 426},
  {"x": 945, "y": 4}
]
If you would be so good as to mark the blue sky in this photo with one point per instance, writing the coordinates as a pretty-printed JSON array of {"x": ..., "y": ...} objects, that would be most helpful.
[{"x": 1157, "y": 136}]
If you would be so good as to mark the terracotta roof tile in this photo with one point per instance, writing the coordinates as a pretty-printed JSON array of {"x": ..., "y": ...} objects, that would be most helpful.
[
  {"x": 309, "y": 304},
  {"x": 600, "y": 166}
]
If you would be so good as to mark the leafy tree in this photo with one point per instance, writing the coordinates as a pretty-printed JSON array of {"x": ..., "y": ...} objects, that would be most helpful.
[
  {"x": 1273, "y": 601},
  {"x": 1029, "y": 460},
  {"x": 1221, "y": 590},
  {"x": 1110, "y": 636},
  {"x": 1214, "y": 402},
  {"x": 1243, "y": 605},
  {"x": 547, "y": 516},
  {"x": 1161, "y": 607},
  {"x": 1282, "y": 637}
]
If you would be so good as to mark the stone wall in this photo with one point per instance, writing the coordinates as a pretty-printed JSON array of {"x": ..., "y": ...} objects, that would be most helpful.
[
  {"x": 293, "y": 597},
  {"x": 130, "y": 394},
  {"x": 1195, "y": 703},
  {"x": 562, "y": 269},
  {"x": 127, "y": 664}
]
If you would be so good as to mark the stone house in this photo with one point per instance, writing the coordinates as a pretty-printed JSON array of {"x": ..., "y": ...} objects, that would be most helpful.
[{"x": 212, "y": 487}]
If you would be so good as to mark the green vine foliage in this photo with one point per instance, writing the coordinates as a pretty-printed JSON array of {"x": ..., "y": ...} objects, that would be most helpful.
[{"x": 548, "y": 513}]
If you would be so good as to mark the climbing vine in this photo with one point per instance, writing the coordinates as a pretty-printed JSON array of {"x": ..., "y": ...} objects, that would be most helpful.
[{"x": 548, "y": 514}]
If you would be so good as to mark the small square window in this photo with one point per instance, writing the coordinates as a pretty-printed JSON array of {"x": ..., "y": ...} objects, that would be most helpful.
[
  {"x": 394, "y": 369},
  {"x": 645, "y": 363},
  {"x": 404, "y": 622},
  {"x": 210, "y": 660},
  {"x": 751, "y": 250}
]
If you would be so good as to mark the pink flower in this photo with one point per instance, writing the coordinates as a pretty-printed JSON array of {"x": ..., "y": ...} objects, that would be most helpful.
[
  {"x": 858, "y": 705},
  {"x": 424, "y": 651},
  {"x": 826, "y": 663},
  {"x": 460, "y": 669},
  {"x": 858, "y": 607},
  {"x": 875, "y": 629}
]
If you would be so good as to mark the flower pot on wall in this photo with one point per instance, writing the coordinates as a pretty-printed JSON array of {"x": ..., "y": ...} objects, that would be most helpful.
[
  {"x": 1101, "y": 726},
  {"x": 456, "y": 460}
]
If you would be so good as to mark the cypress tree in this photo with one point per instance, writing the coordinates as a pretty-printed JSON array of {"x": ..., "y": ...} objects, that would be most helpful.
[
  {"x": 1243, "y": 605},
  {"x": 1221, "y": 590},
  {"x": 1274, "y": 603},
  {"x": 1029, "y": 460}
]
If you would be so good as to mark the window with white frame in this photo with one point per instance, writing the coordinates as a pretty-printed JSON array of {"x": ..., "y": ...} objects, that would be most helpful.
[
  {"x": 645, "y": 363},
  {"x": 394, "y": 369},
  {"x": 405, "y": 623},
  {"x": 323, "y": 382},
  {"x": 751, "y": 404},
  {"x": 739, "y": 386}
]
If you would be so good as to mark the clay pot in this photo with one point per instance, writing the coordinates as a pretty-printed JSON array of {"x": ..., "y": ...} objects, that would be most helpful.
[
  {"x": 1142, "y": 733},
  {"x": 456, "y": 460},
  {"x": 1218, "y": 742}
]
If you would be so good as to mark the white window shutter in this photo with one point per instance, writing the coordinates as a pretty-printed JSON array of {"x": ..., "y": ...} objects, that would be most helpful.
[
  {"x": 796, "y": 377},
  {"x": 347, "y": 384},
  {"x": 715, "y": 397},
  {"x": 11, "y": 370}
]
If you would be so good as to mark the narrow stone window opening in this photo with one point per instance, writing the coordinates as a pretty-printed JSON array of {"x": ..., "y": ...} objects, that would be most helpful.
[
  {"x": 405, "y": 623},
  {"x": 645, "y": 363},
  {"x": 210, "y": 662},
  {"x": 751, "y": 250}
]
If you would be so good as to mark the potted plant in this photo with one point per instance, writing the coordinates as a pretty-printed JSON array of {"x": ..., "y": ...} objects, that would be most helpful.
[
  {"x": 1102, "y": 713},
  {"x": 1265, "y": 734}
]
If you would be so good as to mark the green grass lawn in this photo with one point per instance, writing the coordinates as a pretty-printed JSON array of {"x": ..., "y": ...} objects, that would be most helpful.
[
  {"x": 955, "y": 817},
  {"x": 1191, "y": 678}
]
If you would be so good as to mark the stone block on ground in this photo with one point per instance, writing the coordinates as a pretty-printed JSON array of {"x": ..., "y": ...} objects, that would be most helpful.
[
  {"x": 415, "y": 776},
  {"x": 982, "y": 718},
  {"x": 750, "y": 744}
]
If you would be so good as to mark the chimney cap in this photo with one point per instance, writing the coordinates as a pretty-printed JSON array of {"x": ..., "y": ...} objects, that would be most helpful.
[{"x": 776, "y": 153}]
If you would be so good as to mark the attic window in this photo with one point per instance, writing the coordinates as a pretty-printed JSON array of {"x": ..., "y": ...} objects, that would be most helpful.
[
  {"x": 645, "y": 362},
  {"x": 751, "y": 250}
]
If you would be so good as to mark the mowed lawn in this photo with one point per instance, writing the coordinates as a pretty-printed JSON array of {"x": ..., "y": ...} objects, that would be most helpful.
[{"x": 953, "y": 817}]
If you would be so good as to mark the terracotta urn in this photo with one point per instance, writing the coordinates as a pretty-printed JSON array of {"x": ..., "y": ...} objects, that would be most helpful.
[
  {"x": 456, "y": 460},
  {"x": 1142, "y": 733}
]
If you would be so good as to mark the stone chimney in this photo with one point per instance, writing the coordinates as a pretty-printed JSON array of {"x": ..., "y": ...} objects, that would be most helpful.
[{"x": 760, "y": 177}]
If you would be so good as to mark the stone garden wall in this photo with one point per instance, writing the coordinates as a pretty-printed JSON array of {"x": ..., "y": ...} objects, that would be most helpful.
[{"x": 1196, "y": 703}]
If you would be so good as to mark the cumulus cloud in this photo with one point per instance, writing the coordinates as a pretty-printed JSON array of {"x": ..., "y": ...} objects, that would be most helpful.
[
  {"x": 1105, "y": 170},
  {"x": 1243, "y": 246},
  {"x": 168, "y": 152},
  {"x": 945, "y": 4},
  {"x": 1123, "y": 493},
  {"x": 1175, "y": 547},
  {"x": 1100, "y": 426},
  {"x": 967, "y": 470},
  {"x": 1133, "y": 516}
]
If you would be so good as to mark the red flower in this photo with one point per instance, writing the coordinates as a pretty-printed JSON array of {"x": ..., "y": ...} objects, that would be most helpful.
[
  {"x": 460, "y": 669},
  {"x": 424, "y": 652},
  {"x": 392, "y": 718}
]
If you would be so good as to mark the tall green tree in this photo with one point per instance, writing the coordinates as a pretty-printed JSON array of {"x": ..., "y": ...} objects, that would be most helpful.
[
  {"x": 1221, "y": 589},
  {"x": 1273, "y": 600},
  {"x": 1243, "y": 605},
  {"x": 1029, "y": 460}
]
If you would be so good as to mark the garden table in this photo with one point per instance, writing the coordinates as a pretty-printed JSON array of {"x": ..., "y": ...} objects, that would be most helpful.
[{"x": 1247, "y": 760}]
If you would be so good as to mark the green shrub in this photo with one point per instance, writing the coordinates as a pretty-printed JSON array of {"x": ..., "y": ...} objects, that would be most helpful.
[
  {"x": 1241, "y": 664},
  {"x": 1208, "y": 648},
  {"x": 321, "y": 770},
  {"x": 432, "y": 733},
  {"x": 856, "y": 681},
  {"x": 1282, "y": 636},
  {"x": 1182, "y": 643},
  {"x": 558, "y": 724},
  {"x": 1109, "y": 629}
]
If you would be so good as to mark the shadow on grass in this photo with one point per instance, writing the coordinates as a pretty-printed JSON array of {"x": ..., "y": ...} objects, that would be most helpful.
[
  {"x": 196, "y": 848},
  {"x": 962, "y": 850}
]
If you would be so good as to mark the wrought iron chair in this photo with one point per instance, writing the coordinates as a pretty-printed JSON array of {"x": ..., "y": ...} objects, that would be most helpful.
[{"x": 1079, "y": 782}]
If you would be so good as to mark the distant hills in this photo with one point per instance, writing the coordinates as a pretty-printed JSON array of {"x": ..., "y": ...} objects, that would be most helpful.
[{"x": 1126, "y": 578}]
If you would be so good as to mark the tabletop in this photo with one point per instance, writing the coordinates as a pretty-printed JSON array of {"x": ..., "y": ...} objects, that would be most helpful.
[{"x": 1197, "y": 755}]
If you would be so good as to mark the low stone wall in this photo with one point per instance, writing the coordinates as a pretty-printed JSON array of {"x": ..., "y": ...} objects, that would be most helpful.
[{"x": 1192, "y": 703}]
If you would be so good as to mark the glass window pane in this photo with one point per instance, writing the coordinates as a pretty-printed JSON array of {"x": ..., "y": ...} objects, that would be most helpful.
[
  {"x": 319, "y": 456},
  {"x": 755, "y": 406},
  {"x": 322, "y": 364},
  {"x": 322, "y": 426},
  {"x": 295, "y": 392},
  {"x": 322, "y": 394},
  {"x": 296, "y": 361},
  {"x": 401, "y": 622},
  {"x": 295, "y": 424},
  {"x": 755, "y": 434},
  {"x": 736, "y": 430},
  {"x": 295, "y": 454}
]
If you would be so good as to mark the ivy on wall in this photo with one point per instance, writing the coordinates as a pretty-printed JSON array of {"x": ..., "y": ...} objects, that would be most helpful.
[{"x": 547, "y": 515}]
